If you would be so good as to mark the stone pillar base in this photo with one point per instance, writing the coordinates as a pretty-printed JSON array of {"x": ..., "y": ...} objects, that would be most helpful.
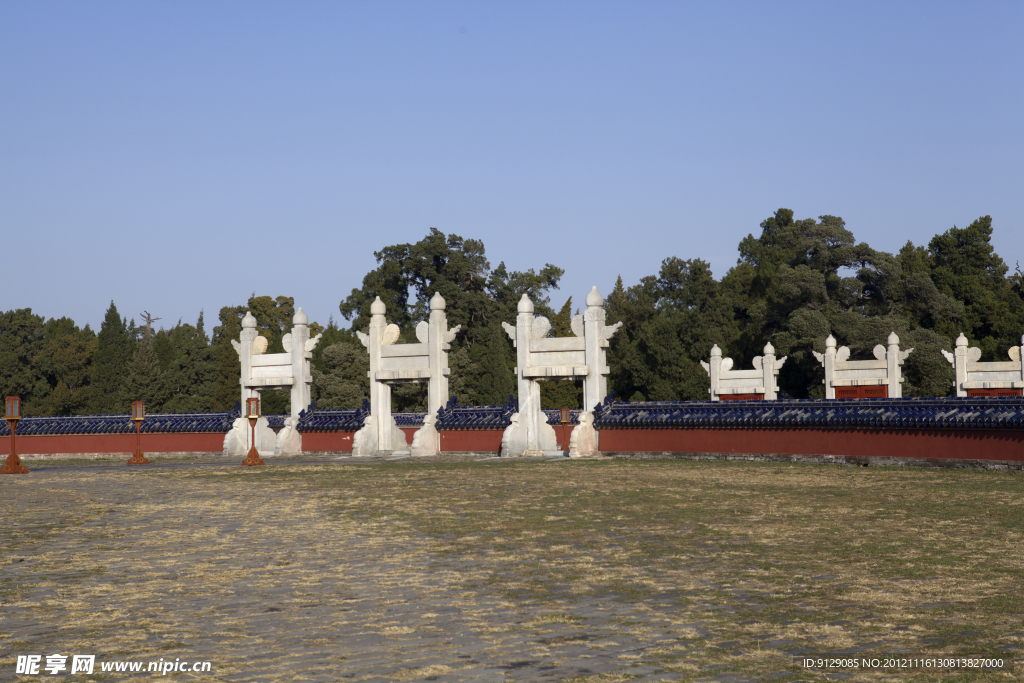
[
  {"x": 583, "y": 440},
  {"x": 426, "y": 441},
  {"x": 364, "y": 443}
]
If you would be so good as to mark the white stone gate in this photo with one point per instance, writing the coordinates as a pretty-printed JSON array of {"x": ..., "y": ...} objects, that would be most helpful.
[
  {"x": 261, "y": 370},
  {"x": 727, "y": 383},
  {"x": 1001, "y": 377},
  {"x": 392, "y": 363},
  {"x": 540, "y": 358},
  {"x": 879, "y": 378}
]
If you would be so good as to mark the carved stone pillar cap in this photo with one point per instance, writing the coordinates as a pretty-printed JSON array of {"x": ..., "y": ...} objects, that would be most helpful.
[
  {"x": 961, "y": 340},
  {"x": 525, "y": 305},
  {"x": 893, "y": 339},
  {"x": 437, "y": 302},
  {"x": 249, "y": 322},
  {"x": 769, "y": 350},
  {"x": 377, "y": 307},
  {"x": 594, "y": 299},
  {"x": 300, "y": 318},
  {"x": 830, "y": 342},
  {"x": 715, "y": 351}
]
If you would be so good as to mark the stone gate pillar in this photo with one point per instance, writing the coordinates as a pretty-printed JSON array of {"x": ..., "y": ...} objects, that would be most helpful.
[
  {"x": 380, "y": 392},
  {"x": 829, "y": 363},
  {"x": 770, "y": 367},
  {"x": 298, "y": 344},
  {"x": 540, "y": 358},
  {"x": 380, "y": 433},
  {"x": 237, "y": 440},
  {"x": 435, "y": 334},
  {"x": 529, "y": 433},
  {"x": 438, "y": 344},
  {"x": 595, "y": 382}
]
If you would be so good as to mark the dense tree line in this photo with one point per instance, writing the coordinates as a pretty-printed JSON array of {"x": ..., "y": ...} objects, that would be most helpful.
[
  {"x": 60, "y": 369},
  {"x": 800, "y": 281},
  {"x": 793, "y": 285}
]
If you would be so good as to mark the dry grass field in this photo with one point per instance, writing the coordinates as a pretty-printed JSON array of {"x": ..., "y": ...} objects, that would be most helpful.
[{"x": 489, "y": 570}]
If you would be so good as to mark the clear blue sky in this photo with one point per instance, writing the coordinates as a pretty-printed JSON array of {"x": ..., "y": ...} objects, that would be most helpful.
[{"x": 178, "y": 156}]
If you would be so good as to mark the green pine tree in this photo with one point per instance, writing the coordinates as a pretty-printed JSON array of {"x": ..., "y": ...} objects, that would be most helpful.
[
  {"x": 22, "y": 339},
  {"x": 562, "y": 393},
  {"x": 115, "y": 346},
  {"x": 66, "y": 361},
  {"x": 329, "y": 336},
  {"x": 478, "y": 298},
  {"x": 494, "y": 361},
  {"x": 227, "y": 393},
  {"x": 340, "y": 381},
  {"x": 146, "y": 380},
  {"x": 967, "y": 269},
  {"x": 192, "y": 368}
]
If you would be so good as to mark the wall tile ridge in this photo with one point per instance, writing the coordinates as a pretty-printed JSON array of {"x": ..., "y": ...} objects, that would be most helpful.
[
  {"x": 830, "y": 413},
  {"x": 155, "y": 423}
]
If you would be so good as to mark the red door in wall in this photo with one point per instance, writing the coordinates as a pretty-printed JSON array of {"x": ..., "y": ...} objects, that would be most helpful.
[
  {"x": 993, "y": 392},
  {"x": 741, "y": 397},
  {"x": 876, "y": 391}
]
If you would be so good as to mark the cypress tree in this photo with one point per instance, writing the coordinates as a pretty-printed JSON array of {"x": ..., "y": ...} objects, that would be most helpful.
[
  {"x": 341, "y": 380},
  {"x": 22, "y": 340},
  {"x": 145, "y": 380},
  {"x": 192, "y": 371},
  {"x": 114, "y": 348},
  {"x": 227, "y": 392},
  {"x": 66, "y": 359},
  {"x": 563, "y": 393},
  {"x": 494, "y": 361}
]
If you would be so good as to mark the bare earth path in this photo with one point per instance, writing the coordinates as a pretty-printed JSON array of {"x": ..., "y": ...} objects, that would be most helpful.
[{"x": 498, "y": 571}]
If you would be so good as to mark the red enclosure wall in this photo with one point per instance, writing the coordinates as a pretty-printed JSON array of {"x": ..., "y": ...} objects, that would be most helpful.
[
  {"x": 471, "y": 440},
  {"x": 339, "y": 441},
  {"x": 877, "y": 391},
  {"x": 1002, "y": 444},
  {"x": 49, "y": 444},
  {"x": 327, "y": 441},
  {"x": 451, "y": 441},
  {"x": 994, "y": 392}
]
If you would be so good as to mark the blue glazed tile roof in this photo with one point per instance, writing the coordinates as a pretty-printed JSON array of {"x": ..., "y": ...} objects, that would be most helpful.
[
  {"x": 155, "y": 423},
  {"x": 873, "y": 413},
  {"x": 316, "y": 419},
  {"x": 554, "y": 416},
  {"x": 454, "y": 416},
  {"x": 906, "y": 413},
  {"x": 409, "y": 419},
  {"x": 276, "y": 420}
]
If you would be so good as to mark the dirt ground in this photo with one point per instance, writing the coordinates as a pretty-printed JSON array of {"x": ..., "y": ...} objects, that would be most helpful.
[{"x": 522, "y": 570}]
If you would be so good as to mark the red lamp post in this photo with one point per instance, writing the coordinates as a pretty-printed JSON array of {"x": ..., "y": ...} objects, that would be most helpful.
[
  {"x": 565, "y": 424},
  {"x": 12, "y": 413},
  {"x": 252, "y": 411},
  {"x": 138, "y": 415}
]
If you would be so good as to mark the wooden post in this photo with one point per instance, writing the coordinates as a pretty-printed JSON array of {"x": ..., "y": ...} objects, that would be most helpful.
[
  {"x": 138, "y": 415},
  {"x": 252, "y": 411},
  {"x": 12, "y": 413}
]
